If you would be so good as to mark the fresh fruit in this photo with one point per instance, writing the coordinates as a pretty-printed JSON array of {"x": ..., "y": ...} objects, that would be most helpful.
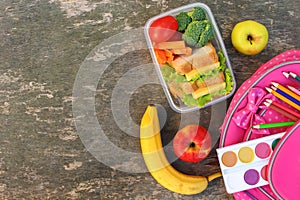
[
  {"x": 163, "y": 29},
  {"x": 157, "y": 163},
  {"x": 192, "y": 143},
  {"x": 249, "y": 37}
]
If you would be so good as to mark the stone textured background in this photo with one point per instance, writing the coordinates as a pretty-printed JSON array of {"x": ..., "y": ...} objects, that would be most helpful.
[{"x": 43, "y": 44}]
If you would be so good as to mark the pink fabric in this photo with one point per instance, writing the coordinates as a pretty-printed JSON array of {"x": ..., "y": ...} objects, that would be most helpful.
[
  {"x": 286, "y": 56},
  {"x": 247, "y": 117},
  {"x": 284, "y": 167},
  {"x": 236, "y": 131}
]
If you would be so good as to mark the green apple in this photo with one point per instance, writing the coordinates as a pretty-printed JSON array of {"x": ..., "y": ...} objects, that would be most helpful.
[{"x": 249, "y": 37}]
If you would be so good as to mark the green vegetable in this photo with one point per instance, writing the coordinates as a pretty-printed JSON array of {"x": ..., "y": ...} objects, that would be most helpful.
[
  {"x": 198, "y": 33},
  {"x": 222, "y": 60},
  {"x": 167, "y": 72},
  {"x": 180, "y": 78},
  {"x": 204, "y": 100},
  {"x": 228, "y": 77},
  {"x": 197, "y": 29},
  {"x": 197, "y": 14},
  {"x": 189, "y": 100},
  {"x": 197, "y": 77},
  {"x": 183, "y": 20},
  {"x": 170, "y": 74},
  {"x": 206, "y": 35},
  {"x": 192, "y": 33},
  {"x": 229, "y": 81}
]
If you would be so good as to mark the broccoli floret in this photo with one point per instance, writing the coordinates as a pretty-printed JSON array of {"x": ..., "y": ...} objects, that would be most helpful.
[
  {"x": 193, "y": 31},
  {"x": 183, "y": 20},
  {"x": 197, "y": 14},
  {"x": 198, "y": 33},
  {"x": 206, "y": 35}
]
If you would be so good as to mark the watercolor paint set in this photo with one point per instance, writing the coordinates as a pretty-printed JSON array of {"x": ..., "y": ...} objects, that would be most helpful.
[{"x": 244, "y": 165}]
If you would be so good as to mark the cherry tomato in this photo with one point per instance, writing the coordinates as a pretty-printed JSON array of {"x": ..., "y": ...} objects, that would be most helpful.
[
  {"x": 163, "y": 29},
  {"x": 177, "y": 36}
]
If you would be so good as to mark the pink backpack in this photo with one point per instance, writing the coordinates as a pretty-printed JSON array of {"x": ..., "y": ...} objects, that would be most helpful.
[{"x": 247, "y": 109}]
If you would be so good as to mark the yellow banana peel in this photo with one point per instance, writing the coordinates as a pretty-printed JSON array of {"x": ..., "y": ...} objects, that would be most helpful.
[{"x": 157, "y": 163}]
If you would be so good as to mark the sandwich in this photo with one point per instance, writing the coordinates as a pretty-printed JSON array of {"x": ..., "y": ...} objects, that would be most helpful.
[{"x": 199, "y": 77}]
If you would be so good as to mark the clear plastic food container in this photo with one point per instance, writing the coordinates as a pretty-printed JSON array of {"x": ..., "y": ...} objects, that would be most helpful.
[{"x": 179, "y": 102}]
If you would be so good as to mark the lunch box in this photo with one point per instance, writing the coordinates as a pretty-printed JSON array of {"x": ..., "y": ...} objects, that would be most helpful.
[
  {"x": 217, "y": 41},
  {"x": 247, "y": 109}
]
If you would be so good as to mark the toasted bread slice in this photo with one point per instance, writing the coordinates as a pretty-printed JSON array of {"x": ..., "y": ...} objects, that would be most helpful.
[
  {"x": 171, "y": 45},
  {"x": 204, "y": 56},
  {"x": 203, "y": 60},
  {"x": 188, "y": 88},
  {"x": 175, "y": 90},
  {"x": 184, "y": 51},
  {"x": 181, "y": 65}
]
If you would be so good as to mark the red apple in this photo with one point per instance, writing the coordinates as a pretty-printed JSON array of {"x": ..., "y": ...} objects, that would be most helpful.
[{"x": 192, "y": 143}]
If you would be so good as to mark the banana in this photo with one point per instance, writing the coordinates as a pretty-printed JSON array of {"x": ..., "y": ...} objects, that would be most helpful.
[{"x": 157, "y": 163}]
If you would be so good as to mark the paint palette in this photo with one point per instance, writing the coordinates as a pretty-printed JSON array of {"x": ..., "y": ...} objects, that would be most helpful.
[{"x": 244, "y": 165}]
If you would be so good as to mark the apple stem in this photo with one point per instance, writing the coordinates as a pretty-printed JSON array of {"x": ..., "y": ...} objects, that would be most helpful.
[
  {"x": 192, "y": 144},
  {"x": 249, "y": 38}
]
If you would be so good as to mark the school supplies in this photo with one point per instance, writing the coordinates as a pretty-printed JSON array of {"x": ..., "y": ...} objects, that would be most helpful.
[
  {"x": 295, "y": 76},
  {"x": 283, "y": 107},
  {"x": 291, "y": 78},
  {"x": 274, "y": 125},
  {"x": 283, "y": 183},
  {"x": 286, "y": 90},
  {"x": 283, "y": 97},
  {"x": 294, "y": 89},
  {"x": 244, "y": 165},
  {"x": 281, "y": 111},
  {"x": 291, "y": 98}
]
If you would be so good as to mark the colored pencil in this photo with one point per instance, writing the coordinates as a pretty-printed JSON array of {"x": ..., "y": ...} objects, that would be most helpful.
[
  {"x": 274, "y": 125},
  {"x": 296, "y": 101},
  {"x": 286, "y": 90},
  {"x": 294, "y": 89},
  {"x": 279, "y": 110},
  {"x": 295, "y": 76},
  {"x": 288, "y": 76},
  {"x": 286, "y": 100},
  {"x": 282, "y": 107}
]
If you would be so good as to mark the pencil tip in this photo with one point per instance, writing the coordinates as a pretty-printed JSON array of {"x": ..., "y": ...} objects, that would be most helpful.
[
  {"x": 268, "y": 89},
  {"x": 285, "y": 74},
  {"x": 273, "y": 88},
  {"x": 274, "y": 83},
  {"x": 255, "y": 126},
  {"x": 292, "y": 74},
  {"x": 269, "y": 100}
]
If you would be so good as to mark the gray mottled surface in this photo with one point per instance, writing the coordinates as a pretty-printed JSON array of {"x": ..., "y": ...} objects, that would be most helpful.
[{"x": 44, "y": 44}]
